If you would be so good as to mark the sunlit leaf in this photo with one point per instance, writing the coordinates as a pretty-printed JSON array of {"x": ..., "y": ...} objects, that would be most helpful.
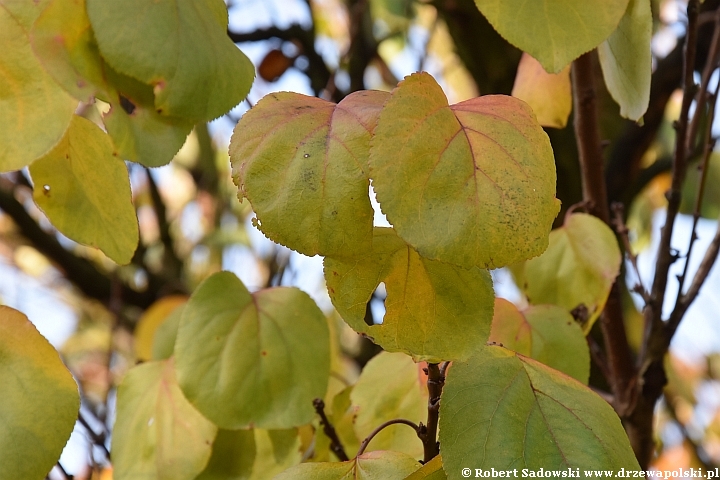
[
  {"x": 180, "y": 47},
  {"x": 233, "y": 456},
  {"x": 34, "y": 110},
  {"x": 626, "y": 60},
  {"x": 710, "y": 207},
  {"x": 501, "y": 410},
  {"x": 368, "y": 466},
  {"x": 276, "y": 451},
  {"x": 547, "y": 333},
  {"x": 39, "y": 402},
  {"x": 163, "y": 344},
  {"x": 157, "y": 433},
  {"x": 389, "y": 387},
  {"x": 555, "y": 32},
  {"x": 578, "y": 268},
  {"x": 432, "y": 470},
  {"x": 549, "y": 95},
  {"x": 469, "y": 184},
  {"x": 149, "y": 322},
  {"x": 252, "y": 360},
  {"x": 302, "y": 163},
  {"x": 434, "y": 311},
  {"x": 84, "y": 190},
  {"x": 64, "y": 42}
]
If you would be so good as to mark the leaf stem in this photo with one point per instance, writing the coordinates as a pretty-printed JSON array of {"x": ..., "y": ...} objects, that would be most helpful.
[
  {"x": 381, "y": 427},
  {"x": 329, "y": 430}
]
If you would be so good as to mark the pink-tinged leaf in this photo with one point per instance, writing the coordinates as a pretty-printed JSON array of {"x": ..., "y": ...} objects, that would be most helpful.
[
  {"x": 471, "y": 184},
  {"x": 548, "y": 94},
  {"x": 302, "y": 163}
]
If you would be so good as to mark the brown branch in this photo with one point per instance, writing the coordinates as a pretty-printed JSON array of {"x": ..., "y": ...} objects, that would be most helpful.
[
  {"x": 428, "y": 433},
  {"x": 587, "y": 135},
  {"x": 329, "y": 430},
  {"x": 380, "y": 428},
  {"x": 622, "y": 231},
  {"x": 81, "y": 272}
]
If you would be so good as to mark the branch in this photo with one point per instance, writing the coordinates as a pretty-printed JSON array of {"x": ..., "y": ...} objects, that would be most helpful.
[
  {"x": 329, "y": 430},
  {"x": 587, "y": 135},
  {"x": 622, "y": 230},
  {"x": 97, "y": 439},
  {"x": 428, "y": 433},
  {"x": 81, "y": 272},
  {"x": 372, "y": 435},
  {"x": 170, "y": 256}
]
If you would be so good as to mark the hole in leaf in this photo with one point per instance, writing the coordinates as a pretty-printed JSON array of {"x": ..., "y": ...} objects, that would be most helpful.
[
  {"x": 127, "y": 105},
  {"x": 375, "y": 310}
]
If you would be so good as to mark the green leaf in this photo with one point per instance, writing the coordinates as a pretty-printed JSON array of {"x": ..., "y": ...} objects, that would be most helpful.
[
  {"x": 546, "y": 333},
  {"x": 432, "y": 470},
  {"x": 578, "y": 268},
  {"x": 710, "y": 207},
  {"x": 163, "y": 344},
  {"x": 34, "y": 110},
  {"x": 302, "y": 163},
  {"x": 368, "y": 466},
  {"x": 64, "y": 42},
  {"x": 252, "y": 360},
  {"x": 84, "y": 190},
  {"x": 39, "y": 402},
  {"x": 158, "y": 434},
  {"x": 233, "y": 455},
  {"x": 555, "y": 32},
  {"x": 434, "y": 311},
  {"x": 276, "y": 451},
  {"x": 343, "y": 419},
  {"x": 180, "y": 47},
  {"x": 469, "y": 184},
  {"x": 504, "y": 411},
  {"x": 626, "y": 60},
  {"x": 147, "y": 326},
  {"x": 389, "y": 387}
]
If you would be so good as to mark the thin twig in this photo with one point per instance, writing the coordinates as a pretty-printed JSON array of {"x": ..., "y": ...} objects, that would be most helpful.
[
  {"x": 64, "y": 472},
  {"x": 622, "y": 230},
  {"x": 97, "y": 439},
  {"x": 428, "y": 433},
  {"x": 329, "y": 430},
  {"x": 380, "y": 428}
]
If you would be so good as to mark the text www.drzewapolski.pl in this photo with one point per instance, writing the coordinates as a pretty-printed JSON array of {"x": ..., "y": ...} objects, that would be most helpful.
[{"x": 580, "y": 473}]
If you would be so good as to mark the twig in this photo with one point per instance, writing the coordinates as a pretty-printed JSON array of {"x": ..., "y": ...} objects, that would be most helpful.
[
  {"x": 380, "y": 428},
  {"x": 587, "y": 134},
  {"x": 598, "y": 356},
  {"x": 329, "y": 430},
  {"x": 64, "y": 472},
  {"x": 97, "y": 439},
  {"x": 428, "y": 433},
  {"x": 622, "y": 230}
]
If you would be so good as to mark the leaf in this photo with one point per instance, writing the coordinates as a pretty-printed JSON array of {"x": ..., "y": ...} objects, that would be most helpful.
[
  {"x": 233, "y": 455},
  {"x": 163, "y": 345},
  {"x": 555, "y": 32},
  {"x": 180, "y": 47},
  {"x": 252, "y": 360},
  {"x": 434, "y": 311},
  {"x": 277, "y": 450},
  {"x": 84, "y": 190},
  {"x": 39, "y": 403},
  {"x": 368, "y": 466},
  {"x": 150, "y": 321},
  {"x": 626, "y": 60},
  {"x": 157, "y": 433},
  {"x": 549, "y": 95},
  {"x": 432, "y": 470},
  {"x": 546, "y": 333},
  {"x": 302, "y": 163},
  {"x": 469, "y": 184},
  {"x": 501, "y": 410},
  {"x": 64, "y": 42},
  {"x": 389, "y": 387},
  {"x": 34, "y": 110},
  {"x": 578, "y": 268}
]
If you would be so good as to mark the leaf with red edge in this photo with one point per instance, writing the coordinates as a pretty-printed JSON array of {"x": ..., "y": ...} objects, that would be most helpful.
[{"x": 472, "y": 184}]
